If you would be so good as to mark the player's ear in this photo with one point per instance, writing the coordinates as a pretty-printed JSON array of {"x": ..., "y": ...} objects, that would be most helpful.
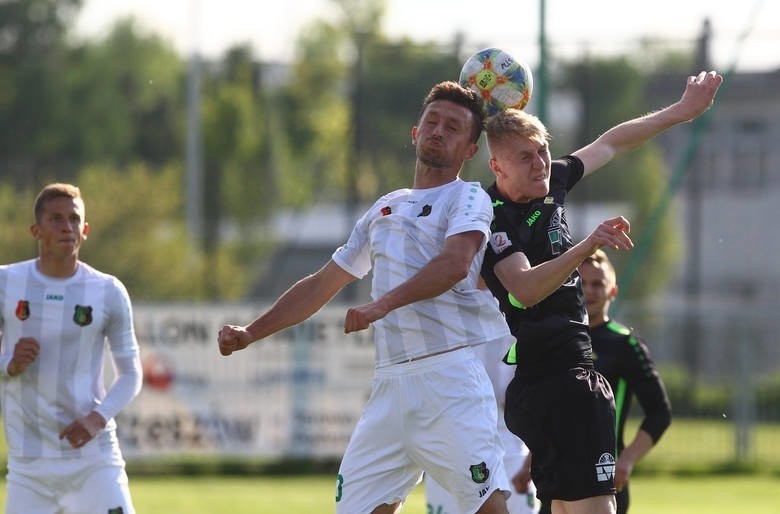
[
  {"x": 495, "y": 167},
  {"x": 414, "y": 135},
  {"x": 472, "y": 151},
  {"x": 85, "y": 231},
  {"x": 613, "y": 292}
]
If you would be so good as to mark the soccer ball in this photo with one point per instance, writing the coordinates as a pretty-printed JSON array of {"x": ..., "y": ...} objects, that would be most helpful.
[{"x": 503, "y": 81}]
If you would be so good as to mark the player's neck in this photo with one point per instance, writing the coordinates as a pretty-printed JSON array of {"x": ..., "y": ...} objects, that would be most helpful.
[
  {"x": 426, "y": 177},
  {"x": 597, "y": 320},
  {"x": 58, "y": 267}
]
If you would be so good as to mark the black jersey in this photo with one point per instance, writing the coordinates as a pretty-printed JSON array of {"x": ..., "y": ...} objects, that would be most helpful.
[
  {"x": 624, "y": 359},
  {"x": 553, "y": 334}
]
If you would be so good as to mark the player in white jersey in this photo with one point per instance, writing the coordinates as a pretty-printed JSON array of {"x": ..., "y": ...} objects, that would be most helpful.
[
  {"x": 523, "y": 500},
  {"x": 56, "y": 315},
  {"x": 432, "y": 406}
]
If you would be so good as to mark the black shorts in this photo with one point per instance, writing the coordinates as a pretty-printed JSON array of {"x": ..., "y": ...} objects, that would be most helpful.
[{"x": 568, "y": 422}]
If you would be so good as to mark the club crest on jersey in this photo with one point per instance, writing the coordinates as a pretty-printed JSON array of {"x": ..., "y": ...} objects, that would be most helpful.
[
  {"x": 479, "y": 472},
  {"x": 23, "y": 310},
  {"x": 499, "y": 241},
  {"x": 386, "y": 211},
  {"x": 82, "y": 315}
]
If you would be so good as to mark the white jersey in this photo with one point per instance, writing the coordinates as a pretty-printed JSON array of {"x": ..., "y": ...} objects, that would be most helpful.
[
  {"x": 71, "y": 318},
  {"x": 399, "y": 235}
]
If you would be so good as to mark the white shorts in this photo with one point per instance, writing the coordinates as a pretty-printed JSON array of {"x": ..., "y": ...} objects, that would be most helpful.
[
  {"x": 84, "y": 485},
  {"x": 438, "y": 499},
  {"x": 437, "y": 415}
]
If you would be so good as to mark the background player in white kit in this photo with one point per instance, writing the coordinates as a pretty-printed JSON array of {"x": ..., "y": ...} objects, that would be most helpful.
[
  {"x": 523, "y": 500},
  {"x": 432, "y": 406},
  {"x": 56, "y": 313}
]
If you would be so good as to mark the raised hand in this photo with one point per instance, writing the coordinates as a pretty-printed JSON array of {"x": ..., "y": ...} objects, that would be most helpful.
[
  {"x": 612, "y": 233},
  {"x": 699, "y": 94},
  {"x": 233, "y": 338}
]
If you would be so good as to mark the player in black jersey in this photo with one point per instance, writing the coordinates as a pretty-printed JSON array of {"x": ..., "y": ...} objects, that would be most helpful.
[
  {"x": 557, "y": 403},
  {"x": 625, "y": 361}
]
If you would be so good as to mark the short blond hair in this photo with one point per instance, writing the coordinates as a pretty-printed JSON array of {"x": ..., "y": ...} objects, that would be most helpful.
[
  {"x": 51, "y": 191},
  {"x": 511, "y": 123}
]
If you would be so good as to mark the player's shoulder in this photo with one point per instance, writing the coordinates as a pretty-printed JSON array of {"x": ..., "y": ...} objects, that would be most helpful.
[
  {"x": 22, "y": 268},
  {"x": 460, "y": 187},
  {"x": 568, "y": 169},
  {"x": 622, "y": 331},
  {"x": 17, "y": 267},
  {"x": 393, "y": 195},
  {"x": 618, "y": 327},
  {"x": 94, "y": 275}
]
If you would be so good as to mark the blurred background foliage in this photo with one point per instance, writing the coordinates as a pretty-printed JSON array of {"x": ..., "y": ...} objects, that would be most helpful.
[{"x": 332, "y": 126}]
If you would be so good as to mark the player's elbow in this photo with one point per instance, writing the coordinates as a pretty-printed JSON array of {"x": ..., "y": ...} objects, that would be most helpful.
[
  {"x": 454, "y": 268},
  {"x": 656, "y": 424},
  {"x": 665, "y": 420},
  {"x": 457, "y": 273},
  {"x": 525, "y": 290},
  {"x": 524, "y": 297}
]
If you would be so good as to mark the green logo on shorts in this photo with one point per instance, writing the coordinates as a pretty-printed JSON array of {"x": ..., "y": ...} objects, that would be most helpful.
[
  {"x": 117, "y": 510},
  {"x": 479, "y": 472},
  {"x": 339, "y": 486}
]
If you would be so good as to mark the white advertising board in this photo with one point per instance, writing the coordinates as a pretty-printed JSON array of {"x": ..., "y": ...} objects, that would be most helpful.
[{"x": 298, "y": 393}]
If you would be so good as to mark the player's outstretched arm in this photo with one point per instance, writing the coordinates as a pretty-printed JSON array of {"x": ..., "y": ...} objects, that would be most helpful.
[
  {"x": 297, "y": 304},
  {"x": 696, "y": 99}
]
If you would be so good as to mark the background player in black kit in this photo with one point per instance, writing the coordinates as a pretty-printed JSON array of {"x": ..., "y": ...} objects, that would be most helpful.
[
  {"x": 624, "y": 359},
  {"x": 557, "y": 403}
]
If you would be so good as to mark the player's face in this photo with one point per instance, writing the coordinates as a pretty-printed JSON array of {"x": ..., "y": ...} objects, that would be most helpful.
[
  {"x": 443, "y": 135},
  {"x": 61, "y": 228},
  {"x": 522, "y": 169},
  {"x": 599, "y": 289}
]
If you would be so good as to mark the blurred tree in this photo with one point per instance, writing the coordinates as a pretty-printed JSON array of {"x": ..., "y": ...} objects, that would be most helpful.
[
  {"x": 238, "y": 184},
  {"x": 32, "y": 48},
  {"x": 235, "y": 140},
  {"x": 124, "y": 99},
  {"x": 61, "y": 107},
  {"x": 16, "y": 209},
  {"x": 315, "y": 119},
  {"x": 136, "y": 233},
  {"x": 611, "y": 91},
  {"x": 398, "y": 77}
]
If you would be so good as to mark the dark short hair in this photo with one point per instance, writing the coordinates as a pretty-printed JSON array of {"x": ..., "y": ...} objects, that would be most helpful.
[
  {"x": 468, "y": 98},
  {"x": 51, "y": 191}
]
